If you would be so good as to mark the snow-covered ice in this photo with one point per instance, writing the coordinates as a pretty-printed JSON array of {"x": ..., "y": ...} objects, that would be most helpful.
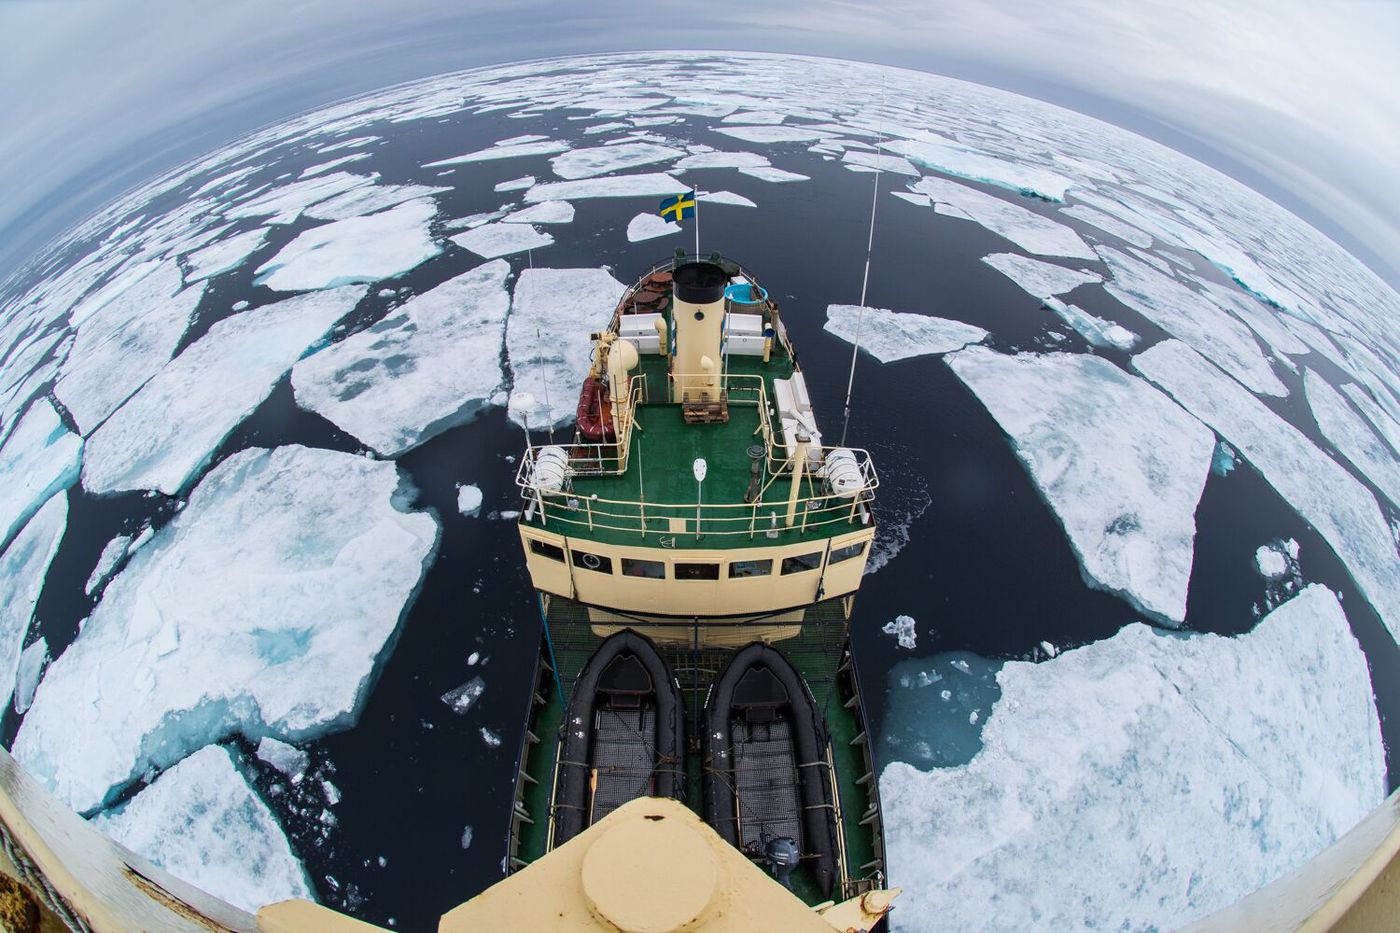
[
  {"x": 285, "y": 203},
  {"x": 1038, "y": 278},
  {"x": 123, "y": 345},
  {"x": 460, "y": 699},
  {"x": 586, "y": 163},
  {"x": 1352, "y": 437},
  {"x": 649, "y": 226},
  {"x": 228, "y": 253},
  {"x": 469, "y": 500},
  {"x": 1020, "y": 176},
  {"x": 1271, "y": 562},
  {"x": 201, "y": 822},
  {"x": 1103, "y": 769},
  {"x": 264, "y": 607},
  {"x": 287, "y": 759},
  {"x": 1385, "y": 425},
  {"x": 39, "y": 458},
  {"x": 431, "y": 364},
  {"x": 1342, "y": 510},
  {"x": 314, "y": 170},
  {"x": 515, "y": 184},
  {"x": 1120, "y": 465},
  {"x": 1027, "y": 229},
  {"x": 657, "y": 185},
  {"x": 466, "y": 837},
  {"x": 771, "y": 134},
  {"x": 1263, "y": 321},
  {"x": 369, "y": 199},
  {"x": 537, "y": 147},
  {"x": 894, "y": 165},
  {"x": 773, "y": 174},
  {"x": 32, "y": 661},
  {"x": 724, "y": 197},
  {"x": 1192, "y": 318},
  {"x": 502, "y": 239},
  {"x": 112, "y": 553},
  {"x": 546, "y": 212},
  {"x": 718, "y": 158},
  {"x": 357, "y": 249},
  {"x": 492, "y": 739},
  {"x": 902, "y": 628},
  {"x": 23, "y": 567},
  {"x": 552, "y": 313},
  {"x": 167, "y": 432},
  {"x": 1108, "y": 224},
  {"x": 1094, "y": 329},
  {"x": 893, "y": 335}
]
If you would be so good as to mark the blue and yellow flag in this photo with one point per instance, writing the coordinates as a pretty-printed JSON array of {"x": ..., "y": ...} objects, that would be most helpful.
[{"x": 679, "y": 207}]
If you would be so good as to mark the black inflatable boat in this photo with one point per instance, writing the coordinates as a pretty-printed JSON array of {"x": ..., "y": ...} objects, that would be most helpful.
[
  {"x": 767, "y": 785},
  {"x": 623, "y": 735}
]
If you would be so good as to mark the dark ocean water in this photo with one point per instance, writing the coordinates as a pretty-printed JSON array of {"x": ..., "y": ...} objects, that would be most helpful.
[{"x": 983, "y": 564}]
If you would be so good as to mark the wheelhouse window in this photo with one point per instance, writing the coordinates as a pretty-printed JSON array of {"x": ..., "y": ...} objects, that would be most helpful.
[
  {"x": 545, "y": 549},
  {"x": 697, "y": 571},
  {"x": 802, "y": 562},
  {"x": 651, "y": 569},
  {"x": 839, "y": 554},
  {"x": 594, "y": 562},
  {"x": 750, "y": 568}
]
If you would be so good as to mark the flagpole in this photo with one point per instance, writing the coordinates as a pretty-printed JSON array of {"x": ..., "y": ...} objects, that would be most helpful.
[{"x": 697, "y": 221}]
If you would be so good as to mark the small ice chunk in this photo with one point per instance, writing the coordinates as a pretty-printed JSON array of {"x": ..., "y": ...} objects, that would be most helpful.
[
  {"x": 358, "y": 249},
  {"x": 1108, "y": 224},
  {"x": 773, "y": 174},
  {"x": 902, "y": 628},
  {"x": 469, "y": 504},
  {"x": 1224, "y": 460},
  {"x": 1038, "y": 278},
  {"x": 515, "y": 184},
  {"x": 492, "y": 739},
  {"x": 725, "y": 197},
  {"x": 1027, "y": 229},
  {"x": 649, "y": 226},
  {"x": 23, "y": 567},
  {"x": 1049, "y": 649},
  {"x": 467, "y": 837},
  {"x": 538, "y": 147},
  {"x": 586, "y": 163},
  {"x": 1119, "y": 464},
  {"x": 1271, "y": 562},
  {"x": 287, "y": 574},
  {"x": 1097, "y": 331},
  {"x": 546, "y": 212},
  {"x": 330, "y": 792},
  {"x": 201, "y": 822},
  {"x": 460, "y": 699},
  {"x": 1352, "y": 437},
  {"x": 32, "y": 661},
  {"x": 288, "y": 759},
  {"x": 39, "y": 458},
  {"x": 167, "y": 432},
  {"x": 107, "y": 561},
  {"x": 473, "y": 658},
  {"x": 502, "y": 239},
  {"x": 891, "y": 335},
  {"x": 431, "y": 364},
  {"x": 552, "y": 313},
  {"x": 771, "y": 134},
  {"x": 369, "y": 199},
  {"x": 228, "y": 253}
]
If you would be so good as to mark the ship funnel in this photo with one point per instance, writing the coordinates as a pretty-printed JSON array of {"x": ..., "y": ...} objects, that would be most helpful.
[{"x": 698, "y": 315}]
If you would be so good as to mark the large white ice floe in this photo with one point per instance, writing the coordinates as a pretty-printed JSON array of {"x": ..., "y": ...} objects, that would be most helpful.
[
  {"x": 39, "y": 458},
  {"x": 1329, "y": 498},
  {"x": 1352, "y": 437},
  {"x": 1094, "y": 329},
  {"x": 1192, "y": 318},
  {"x": 894, "y": 335},
  {"x": 771, "y": 134},
  {"x": 201, "y": 822},
  {"x": 123, "y": 345},
  {"x": 773, "y": 174},
  {"x": 265, "y": 607},
  {"x": 23, "y": 566},
  {"x": 112, "y": 553},
  {"x": 649, "y": 226},
  {"x": 1262, "y": 320},
  {"x": 1038, "y": 278},
  {"x": 546, "y": 212},
  {"x": 1019, "y": 176},
  {"x": 358, "y": 249},
  {"x": 285, "y": 203},
  {"x": 722, "y": 159},
  {"x": 884, "y": 163},
  {"x": 313, "y": 170},
  {"x": 502, "y": 239},
  {"x": 1108, "y": 224},
  {"x": 538, "y": 147},
  {"x": 1385, "y": 425},
  {"x": 586, "y": 163},
  {"x": 431, "y": 364},
  {"x": 1103, "y": 770},
  {"x": 167, "y": 432},
  {"x": 368, "y": 199},
  {"x": 552, "y": 313},
  {"x": 1120, "y": 465},
  {"x": 228, "y": 253},
  {"x": 657, "y": 184},
  {"x": 32, "y": 661},
  {"x": 1027, "y": 229}
]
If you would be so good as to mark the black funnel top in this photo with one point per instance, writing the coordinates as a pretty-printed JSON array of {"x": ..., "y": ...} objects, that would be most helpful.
[{"x": 699, "y": 283}]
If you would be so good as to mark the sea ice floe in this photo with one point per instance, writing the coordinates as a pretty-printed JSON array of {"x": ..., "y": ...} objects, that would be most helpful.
[
  {"x": 127, "y": 277},
  {"x": 884, "y": 163},
  {"x": 721, "y": 159},
  {"x": 228, "y": 253},
  {"x": 23, "y": 567},
  {"x": 770, "y": 134},
  {"x": 287, "y": 759},
  {"x": 1102, "y": 770},
  {"x": 724, "y": 197},
  {"x": 1385, "y": 425},
  {"x": 649, "y": 226},
  {"x": 539, "y": 147},
  {"x": 265, "y": 607},
  {"x": 1352, "y": 437},
  {"x": 1120, "y": 465},
  {"x": 107, "y": 561},
  {"x": 902, "y": 628},
  {"x": 1097, "y": 331},
  {"x": 1192, "y": 318},
  {"x": 39, "y": 458},
  {"x": 1027, "y": 229},
  {"x": 657, "y": 184},
  {"x": 586, "y": 163},
  {"x": 491, "y": 739},
  {"x": 1018, "y": 176},
  {"x": 469, "y": 504},
  {"x": 285, "y": 203},
  {"x": 460, "y": 699},
  {"x": 773, "y": 174},
  {"x": 368, "y": 199},
  {"x": 167, "y": 432},
  {"x": 608, "y": 127},
  {"x": 201, "y": 822},
  {"x": 893, "y": 335},
  {"x": 756, "y": 117},
  {"x": 32, "y": 661},
  {"x": 546, "y": 212},
  {"x": 1271, "y": 562},
  {"x": 502, "y": 239},
  {"x": 1038, "y": 278},
  {"x": 353, "y": 143},
  {"x": 1262, "y": 320},
  {"x": 123, "y": 345},
  {"x": 552, "y": 313},
  {"x": 515, "y": 184},
  {"x": 358, "y": 249},
  {"x": 1108, "y": 224},
  {"x": 430, "y": 365},
  {"x": 1326, "y": 496}
]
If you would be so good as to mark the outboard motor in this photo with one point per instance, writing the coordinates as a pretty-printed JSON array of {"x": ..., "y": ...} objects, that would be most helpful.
[{"x": 781, "y": 855}]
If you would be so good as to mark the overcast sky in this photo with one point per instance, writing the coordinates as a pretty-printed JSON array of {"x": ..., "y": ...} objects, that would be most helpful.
[{"x": 1300, "y": 100}]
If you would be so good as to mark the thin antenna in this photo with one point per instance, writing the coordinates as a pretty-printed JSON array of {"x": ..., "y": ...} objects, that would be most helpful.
[{"x": 865, "y": 280}]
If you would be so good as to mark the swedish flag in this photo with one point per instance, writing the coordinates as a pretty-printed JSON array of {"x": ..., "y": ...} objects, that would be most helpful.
[{"x": 679, "y": 207}]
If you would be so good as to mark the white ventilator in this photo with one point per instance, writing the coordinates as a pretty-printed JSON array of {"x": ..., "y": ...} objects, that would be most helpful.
[{"x": 843, "y": 473}]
